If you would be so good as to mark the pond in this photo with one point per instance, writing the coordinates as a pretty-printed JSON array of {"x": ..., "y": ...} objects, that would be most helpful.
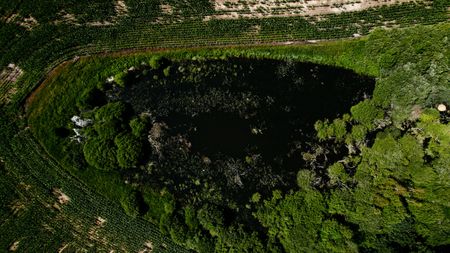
[{"x": 243, "y": 121}]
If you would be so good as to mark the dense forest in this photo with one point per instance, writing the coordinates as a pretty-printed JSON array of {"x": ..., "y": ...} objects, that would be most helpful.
[{"x": 261, "y": 155}]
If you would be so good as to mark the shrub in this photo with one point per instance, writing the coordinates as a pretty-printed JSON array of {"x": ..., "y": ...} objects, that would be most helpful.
[
  {"x": 108, "y": 130},
  {"x": 89, "y": 99},
  {"x": 366, "y": 113},
  {"x": 155, "y": 62},
  {"x": 190, "y": 218},
  {"x": 166, "y": 71},
  {"x": 211, "y": 218},
  {"x": 429, "y": 115},
  {"x": 337, "y": 174},
  {"x": 358, "y": 133},
  {"x": 139, "y": 127},
  {"x": 111, "y": 111},
  {"x": 304, "y": 178},
  {"x": 119, "y": 78},
  {"x": 130, "y": 204}
]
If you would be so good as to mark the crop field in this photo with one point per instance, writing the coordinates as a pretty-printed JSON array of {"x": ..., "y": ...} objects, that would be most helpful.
[
  {"x": 34, "y": 35},
  {"x": 44, "y": 208},
  {"x": 38, "y": 36}
]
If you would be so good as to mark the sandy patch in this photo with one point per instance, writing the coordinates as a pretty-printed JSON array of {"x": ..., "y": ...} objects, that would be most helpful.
[
  {"x": 94, "y": 235},
  {"x": 62, "y": 198},
  {"x": 100, "y": 221},
  {"x": 234, "y": 9},
  {"x": 148, "y": 247},
  {"x": 17, "y": 206},
  {"x": 63, "y": 247},
  {"x": 24, "y": 186},
  {"x": 14, "y": 246},
  {"x": 166, "y": 9},
  {"x": 156, "y": 132},
  {"x": 100, "y": 23},
  {"x": 8, "y": 77},
  {"x": 10, "y": 74},
  {"x": 7, "y": 96},
  {"x": 254, "y": 30},
  {"x": 11, "y": 18},
  {"x": 27, "y": 22},
  {"x": 67, "y": 18},
  {"x": 94, "y": 232},
  {"x": 121, "y": 8},
  {"x": 416, "y": 111}
]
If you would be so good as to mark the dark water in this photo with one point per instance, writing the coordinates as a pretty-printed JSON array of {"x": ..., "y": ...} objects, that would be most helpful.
[{"x": 240, "y": 108}]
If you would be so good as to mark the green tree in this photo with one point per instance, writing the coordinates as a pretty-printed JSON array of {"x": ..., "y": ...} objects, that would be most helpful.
[
  {"x": 337, "y": 174},
  {"x": 334, "y": 130},
  {"x": 155, "y": 62},
  {"x": 366, "y": 113},
  {"x": 235, "y": 239},
  {"x": 335, "y": 237},
  {"x": 109, "y": 120},
  {"x": 211, "y": 218},
  {"x": 108, "y": 130},
  {"x": 430, "y": 200},
  {"x": 111, "y": 111},
  {"x": 100, "y": 153},
  {"x": 139, "y": 127},
  {"x": 129, "y": 150},
  {"x": 358, "y": 134},
  {"x": 294, "y": 220},
  {"x": 304, "y": 178}
]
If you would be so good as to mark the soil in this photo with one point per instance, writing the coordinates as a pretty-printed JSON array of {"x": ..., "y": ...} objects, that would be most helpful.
[
  {"x": 166, "y": 9},
  {"x": 235, "y": 9},
  {"x": 14, "y": 246},
  {"x": 62, "y": 198},
  {"x": 121, "y": 8},
  {"x": 10, "y": 74}
]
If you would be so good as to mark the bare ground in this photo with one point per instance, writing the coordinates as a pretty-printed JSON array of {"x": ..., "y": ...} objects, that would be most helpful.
[
  {"x": 148, "y": 247},
  {"x": 62, "y": 198},
  {"x": 234, "y": 9},
  {"x": 27, "y": 22},
  {"x": 10, "y": 74},
  {"x": 14, "y": 246}
]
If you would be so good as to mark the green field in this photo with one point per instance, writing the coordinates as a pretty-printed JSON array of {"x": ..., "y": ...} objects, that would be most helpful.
[{"x": 410, "y": 64}]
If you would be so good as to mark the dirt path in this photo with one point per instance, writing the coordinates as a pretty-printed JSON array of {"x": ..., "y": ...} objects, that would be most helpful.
[{"x": 54, "y": 72}]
